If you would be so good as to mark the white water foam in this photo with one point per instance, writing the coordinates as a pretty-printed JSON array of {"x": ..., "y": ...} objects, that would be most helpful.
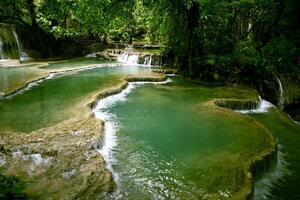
[
  {"x": 1, "y": 50},
  {"x": 148, "y": 60},
  {"x": 23, "y": 55},
  {"x": 171, "y": 75},
  {"x": 32, "y": 84},
  {"x": 128, "y": 58},
  {"x": 110, "y": 128},
  {"x": 270, "y": 179},
  {"x": 281, "y": 93},
  {"x": 91, "y": 55},
  {"x": 2, "y": 160},
  {"x": 263, "y": 107}
]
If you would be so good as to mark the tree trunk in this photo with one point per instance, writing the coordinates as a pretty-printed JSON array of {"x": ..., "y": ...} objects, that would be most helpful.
[
  {"x": 31, "y": 10},
  {"x": 195, "y": 47}
]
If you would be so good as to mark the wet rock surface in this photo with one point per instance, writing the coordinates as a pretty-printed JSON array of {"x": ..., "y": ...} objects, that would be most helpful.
[{"x": 63, "y": 160}]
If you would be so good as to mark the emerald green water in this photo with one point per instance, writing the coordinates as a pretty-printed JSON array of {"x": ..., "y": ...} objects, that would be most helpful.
[
  {"x": 74, "y": 63},
  {"x": 11, "y": 78},
  {"x": 169, "y": 143},
  {"x": 287, "y": 174},
  {"x": 170, "y": 147},
  {"x": 53, "y": 100}
]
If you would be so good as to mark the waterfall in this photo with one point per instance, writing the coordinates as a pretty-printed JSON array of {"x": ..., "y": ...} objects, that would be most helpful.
[
  {"x": 123, "y": 57},
  {"x": 281, "y": 97},
  {"x": 129, "y": 58},
  {"x": 23, "y": 55},
  {"x": 1, "y": 50},
  {"x": 263, "y": 106},
  {"x": 139, "y": 58},
  {"x": 129, "y": 46},
  {"x": 10, "y": 45},
  {"x": 148, "y": 60}
]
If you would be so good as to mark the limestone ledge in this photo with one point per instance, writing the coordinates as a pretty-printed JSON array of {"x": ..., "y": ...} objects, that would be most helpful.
[
  {"x": 165, "y": 71},
  {"x": 262, "y": 162},
  {"x": 237, "y": 104},
  {"x": 25, "y": 85}
]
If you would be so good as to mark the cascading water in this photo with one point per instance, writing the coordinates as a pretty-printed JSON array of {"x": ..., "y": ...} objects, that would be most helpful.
[
  {"x": 101, "y": 112},
  {"x": 262, "y": 107},
  {"x": 1, "y": 51},
  {"x": 129, "y": 46},
  {"x": 281, "y": 93},
  {"x": 129, "y": 58},
  {"x": 10, "y": 45},
  {"x": 148, "y": 60},
  {"x": 23, "y": 55}
]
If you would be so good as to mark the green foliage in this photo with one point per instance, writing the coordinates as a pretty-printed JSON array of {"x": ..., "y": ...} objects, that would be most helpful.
[
  {"x": 199, "y": 38},
  {"x": 11, "y": 188}
]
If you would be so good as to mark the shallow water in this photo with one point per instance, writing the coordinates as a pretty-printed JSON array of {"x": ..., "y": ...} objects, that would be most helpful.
[
  {"x": 74, "y": 63},
  {"x": 167, "y": 144},
  {"x": 284, "y": 180},
  {"x": 12, "y": 77},
  {"x": 54, "y": 100},
  {"x": 168, "y": 147}
]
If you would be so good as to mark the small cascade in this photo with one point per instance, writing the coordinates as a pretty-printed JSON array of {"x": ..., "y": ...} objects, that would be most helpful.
[
  {"x": 91, "y": 55},
  {"x": 10, "y": 45},
  {"x": 133, "y": 59},
  {"x": 123, "y": 57},
  {"x": 263, "y": 106},
  {"x": 281, "y": 97},
  {"x": 1, "y": 50},
  {"x": 148, "y": 60},
  {"x": 139, "y": 58},
  {"x": 129, "y": 58},
  {"x": 129, "y": 46},
  {"x": 23, "y": 55}
]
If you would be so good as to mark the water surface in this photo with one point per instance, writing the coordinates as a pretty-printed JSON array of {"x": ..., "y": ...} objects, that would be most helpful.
[
  {"x": 170, "y": 147},
  {"x": 54, "y": 100}
]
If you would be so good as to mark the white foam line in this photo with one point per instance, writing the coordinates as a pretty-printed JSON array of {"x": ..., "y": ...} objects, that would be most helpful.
[
  {"x": 171, "y": 75},
  {"x": 111, "y": 126},
  {"x": 296, "y": 122},
  {"x": 263, "y": 107},
  {"x": 264, "y": 186},
  {"x": 30, "y": 85}
]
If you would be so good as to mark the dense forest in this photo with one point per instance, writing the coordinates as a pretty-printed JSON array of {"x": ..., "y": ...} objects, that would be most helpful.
[{"x": 227, "y": 40}]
